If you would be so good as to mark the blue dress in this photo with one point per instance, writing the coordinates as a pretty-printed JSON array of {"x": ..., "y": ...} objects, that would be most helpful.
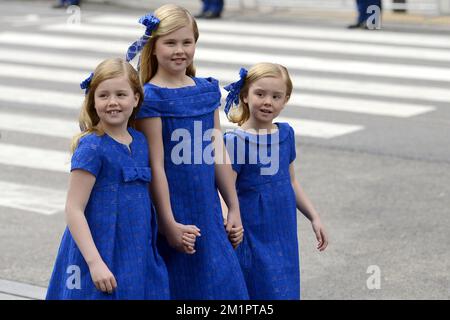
[
  {"x": 269, "y": 252},
  {"x": 122, "y": 222},
  {"x": 187, "y": 113}
]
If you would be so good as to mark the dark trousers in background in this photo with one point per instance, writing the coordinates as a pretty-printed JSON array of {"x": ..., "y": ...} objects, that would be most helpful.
[
  {"x": 362, "y": 8},
  {"x": 69, "y": 2},
  {"x": 213, "y": 6}
]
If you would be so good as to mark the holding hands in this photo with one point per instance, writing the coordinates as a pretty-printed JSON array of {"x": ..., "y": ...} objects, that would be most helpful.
[
  {"x": 182, "y": 237},
  {"x": 234, "y": 228}
]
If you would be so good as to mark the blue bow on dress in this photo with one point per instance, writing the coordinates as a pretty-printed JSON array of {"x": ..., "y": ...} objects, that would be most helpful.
[
  {"x": 151, "y": 23},
  {"x": 234, "y": 89},
  {"x": 136, "y": 173}
]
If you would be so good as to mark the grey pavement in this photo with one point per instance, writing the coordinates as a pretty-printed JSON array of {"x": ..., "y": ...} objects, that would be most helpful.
[{"x": 382, "y": 191}]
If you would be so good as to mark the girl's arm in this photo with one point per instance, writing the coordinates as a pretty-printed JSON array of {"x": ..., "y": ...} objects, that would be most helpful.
[
  {"x": 80, "y": 186},
  {"x": 236, "y": 235},
  {"x": 226, "y": 183},
  {"x": 182, "y": 237},
  {"x": 308, "y": 210}
]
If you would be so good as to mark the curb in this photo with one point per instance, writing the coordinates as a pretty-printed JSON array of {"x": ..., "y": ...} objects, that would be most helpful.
[
  {"x": 285, "y": 12},
  {"x": 12, "y": 290}
]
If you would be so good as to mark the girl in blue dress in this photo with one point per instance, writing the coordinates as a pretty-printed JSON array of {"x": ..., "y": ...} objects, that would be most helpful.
[
  {"x": 262, "y": 154},
  {"x": 108, "y": 250},
  {"x": 178, "y": 117}
]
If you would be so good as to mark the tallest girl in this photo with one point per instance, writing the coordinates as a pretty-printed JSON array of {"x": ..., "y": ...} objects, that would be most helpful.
[{"x": 177, "y": 116}]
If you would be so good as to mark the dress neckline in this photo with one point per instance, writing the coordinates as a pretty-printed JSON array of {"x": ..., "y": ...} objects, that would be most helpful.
[
  {"x": 253, "y": 131},
  {"x": 264, "y": 139},
  {"x": 126, "y": 146},
  {"x": 176, "y": 88}
]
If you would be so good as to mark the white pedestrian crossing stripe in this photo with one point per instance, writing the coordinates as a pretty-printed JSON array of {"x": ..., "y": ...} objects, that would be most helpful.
[
  {"x": 17, "y": 290},
  {"x": 342, "y": 85},
  {"x": 49, "y": 59},
  {"x": 80, "y": 48},
  {"x": 301, "y": 83},
  {"x": 258, "y": 41},
  {"x": 30, "y": 198},
  {"x": 311, "y": 128},
  {"x": 41, "y": 73},
  {"x": 359, "y": 105},
  {"x": 272, "y": 30},
  {"x": 34, "y": 158},
  {"x": 238, "y": 56},
  {"x": 38, "y": 125},
  {"x": 39, "y": 97},
  {"x": 348, "y": 67}
]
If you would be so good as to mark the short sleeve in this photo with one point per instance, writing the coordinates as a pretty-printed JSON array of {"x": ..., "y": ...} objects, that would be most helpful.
[
  {"x": 87, "y": 157},
  {"x": 293, "y": 153},
  {"x": 230, "y": 141},
  {"x": 148, "y": 109}
]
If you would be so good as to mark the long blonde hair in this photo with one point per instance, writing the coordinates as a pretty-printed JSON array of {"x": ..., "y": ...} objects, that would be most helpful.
[
  {"x": 261, "y": 70},
  {"x": 172, "y": 18},
  {"x": 107, "y": 69}
]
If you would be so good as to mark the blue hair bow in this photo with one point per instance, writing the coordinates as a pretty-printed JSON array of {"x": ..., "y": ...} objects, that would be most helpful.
[
  {"x": 86, "y": 83},
  {"x": 151, "y": 23},
  {"x": 234, "y": 89}
]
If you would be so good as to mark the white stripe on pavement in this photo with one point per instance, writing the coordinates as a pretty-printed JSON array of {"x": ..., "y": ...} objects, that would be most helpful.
[
  {"x": 307, "y": 128},
  {"x": 99, "y": 30},
  {"x": 50, "y": 59},
  {"x": 38, "y": 125},
  {"x": 327, "y": 34},
  {"x": 34, "y": 158},
  {"x": 62, "y": 42},
  {"x": 340, "y": 85},
  {"x": 22, "y": 289},
  {"x": 226, "y": 76},
  {"x": 326, "y": 65},
  {"x": 40, "y": 200},
  {"x": 40, "y": 97},
  {"x": 241, "y": 57},
  {"x": 11, "y": 297},
  {"x": 66, "y": 129},
  {"x": 382, "y": 37},
  {"x": 364, "y": 106},
  {"x": 334, "y": 47},
  {"x": 280, "y": 42},
  {"x": 380, "y": 108},
  {"x": 40, "y": 73}
]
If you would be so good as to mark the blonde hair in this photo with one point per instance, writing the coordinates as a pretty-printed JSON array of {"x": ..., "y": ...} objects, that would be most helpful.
[
  {"x": 107, "y": 69},
  {"x": 241, "y": 114},
  {"x": 172, "y": 18}
]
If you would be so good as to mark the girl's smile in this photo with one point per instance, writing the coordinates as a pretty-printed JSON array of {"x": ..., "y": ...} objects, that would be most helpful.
[
  {"x": 115, "y": 101},
  {"x": 175, "y": 51},
  {"x": 266, "y": 98}
]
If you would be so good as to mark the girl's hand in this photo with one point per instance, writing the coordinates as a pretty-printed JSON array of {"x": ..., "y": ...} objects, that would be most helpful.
[
  {"x": 182, "y": 237},
  {"x": 236, "y": 236},
  {"x": 321, "y": 235},
  {"x": 234, "y": 228},
  {"x": 102, "y": 277}
]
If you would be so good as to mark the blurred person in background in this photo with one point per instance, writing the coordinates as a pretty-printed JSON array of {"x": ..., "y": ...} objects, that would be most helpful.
[
  {"x": 212, "y": 9},
  {"x": 65, "y": 3},
  {"x": 363, "y": 15}
]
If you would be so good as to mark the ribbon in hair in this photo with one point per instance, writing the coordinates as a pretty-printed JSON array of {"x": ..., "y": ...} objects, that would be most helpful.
[
  {"x": 234, "y": 89},
  {"x": 86, "y": 83},
  {"x": 151, "y": 23}
]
